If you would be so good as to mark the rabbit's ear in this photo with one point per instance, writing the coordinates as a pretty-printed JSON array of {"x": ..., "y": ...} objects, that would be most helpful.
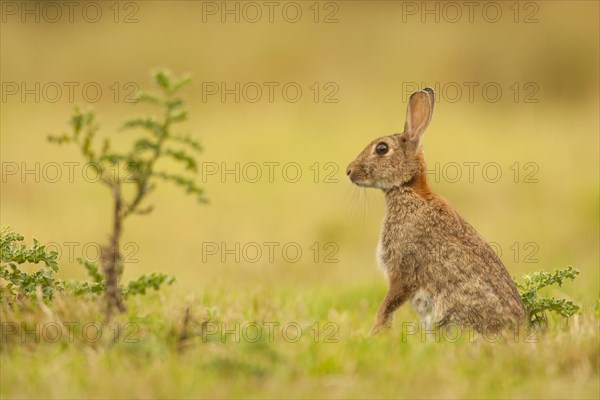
[{"x": 418, "y": 114}]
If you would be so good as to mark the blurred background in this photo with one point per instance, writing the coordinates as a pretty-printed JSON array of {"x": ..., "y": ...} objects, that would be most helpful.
[{"x": 513, "y": 143}]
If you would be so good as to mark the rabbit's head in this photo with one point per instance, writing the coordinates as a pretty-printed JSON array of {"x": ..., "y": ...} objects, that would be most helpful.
[{"x": 396, "y": 160}]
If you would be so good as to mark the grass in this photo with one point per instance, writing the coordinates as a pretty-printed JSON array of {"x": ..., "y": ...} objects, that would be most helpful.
[{"x": 154, "y": 359}]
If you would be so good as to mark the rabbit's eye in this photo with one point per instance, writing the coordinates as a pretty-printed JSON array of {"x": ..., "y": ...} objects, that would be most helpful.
[{"x": 381, "y": 148}]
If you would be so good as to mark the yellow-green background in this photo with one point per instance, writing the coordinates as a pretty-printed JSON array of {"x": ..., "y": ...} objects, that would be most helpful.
[{"x": 370, "y": 53}]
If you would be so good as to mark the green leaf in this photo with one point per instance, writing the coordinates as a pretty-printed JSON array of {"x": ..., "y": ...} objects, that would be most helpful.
[
  {"x": 163, "y": 80},
  {"x": 181, "y": 82},
  {"x": 182, "y": 156},
  {"x": 13, "y": 253},
  {"x": 185, "y": 183},
  {"x": 92, "y": 269},
  {"x": 145, "y": 144},
  {"x": 59, "y": 139},
  {"x": 77, "y": 122},
  {"x": 188, "y": 140},
  {"x": 144, "y": 282},
  {"x": 148, "y": 97},
  {"x": 536, "y": 306},
  {"x": 149, "y": 123}
]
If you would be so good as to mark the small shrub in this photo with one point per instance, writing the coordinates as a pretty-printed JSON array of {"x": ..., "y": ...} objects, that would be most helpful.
[
  {"x": 20, "y": 284},
  {"x": 536, "y": 306},
  {"x": 137, "y": 167}
]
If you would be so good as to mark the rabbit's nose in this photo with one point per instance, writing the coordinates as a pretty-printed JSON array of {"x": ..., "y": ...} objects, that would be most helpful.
[{"x": 350, "y": 168}]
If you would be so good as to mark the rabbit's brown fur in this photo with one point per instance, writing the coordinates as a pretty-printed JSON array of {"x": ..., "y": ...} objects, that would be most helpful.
[{"x": 430, "y": 255}]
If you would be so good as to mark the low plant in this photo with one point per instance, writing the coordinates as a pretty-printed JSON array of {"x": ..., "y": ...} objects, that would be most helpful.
[
  {"x": 18, "y": 285},
  {"x": 139, "y": 168},
  {"x": 537, "y": 307}
]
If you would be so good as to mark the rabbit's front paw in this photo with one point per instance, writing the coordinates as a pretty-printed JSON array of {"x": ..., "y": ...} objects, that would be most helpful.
[{"x": 378, "y": 328}]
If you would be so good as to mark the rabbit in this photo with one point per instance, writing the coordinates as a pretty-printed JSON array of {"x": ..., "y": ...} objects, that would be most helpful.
[{"x": 429, "y": 254}]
